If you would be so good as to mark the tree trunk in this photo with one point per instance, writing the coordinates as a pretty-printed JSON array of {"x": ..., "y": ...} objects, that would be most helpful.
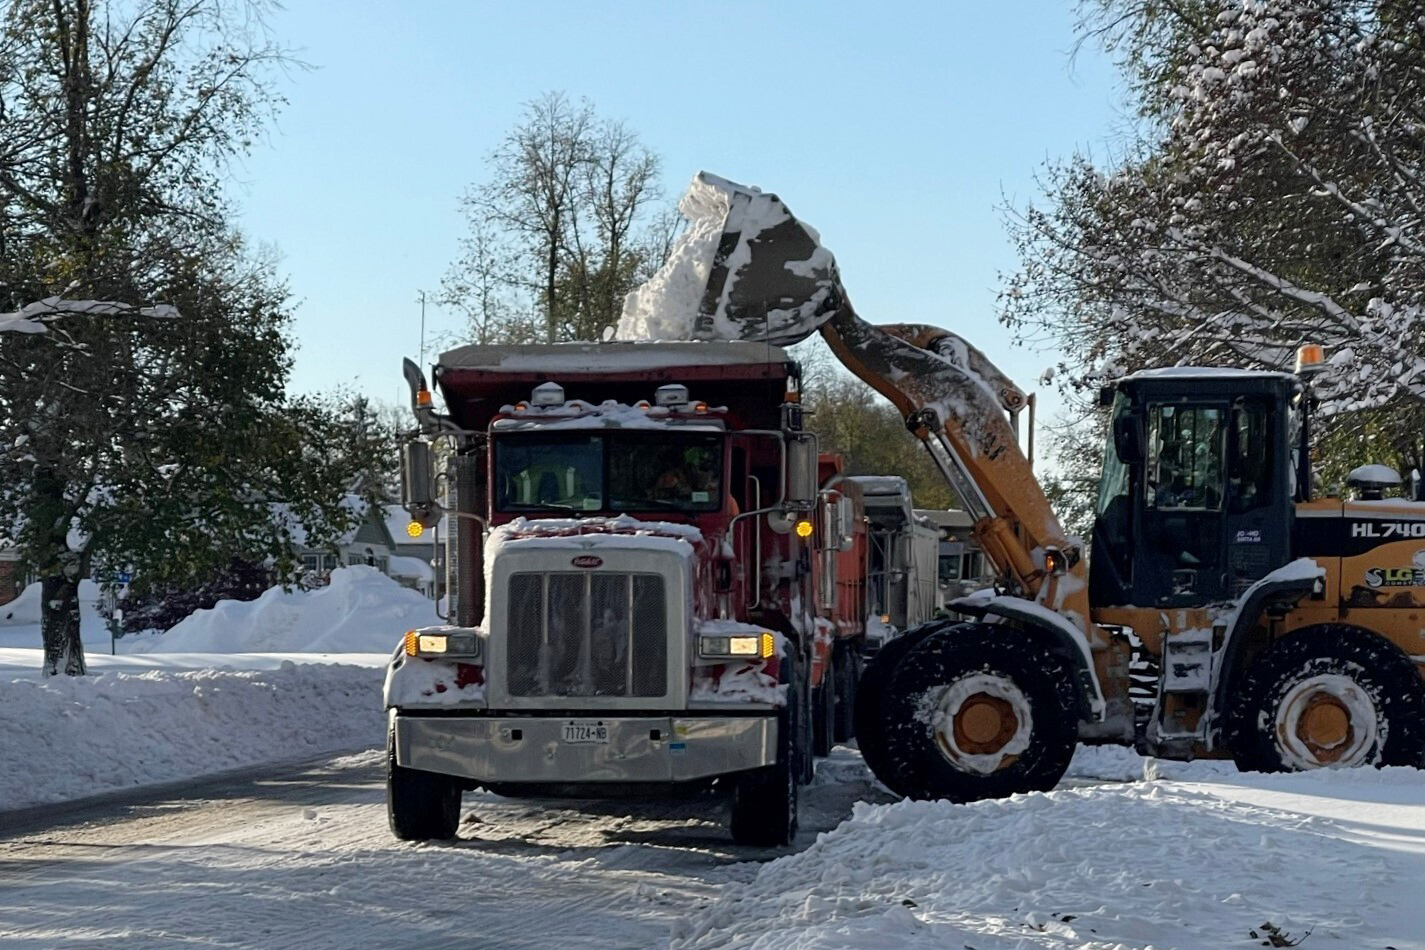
[
  {"x": 59, "y": 621},
  {"x": 551, "y": 283}
]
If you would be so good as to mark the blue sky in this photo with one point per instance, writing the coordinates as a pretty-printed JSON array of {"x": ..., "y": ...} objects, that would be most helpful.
[{"x": 897, "y": 129}]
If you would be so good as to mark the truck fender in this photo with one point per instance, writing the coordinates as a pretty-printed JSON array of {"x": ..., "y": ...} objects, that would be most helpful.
[
  {"x": 1269, "y": 592},
  {"x": 1057, "y": 634}
]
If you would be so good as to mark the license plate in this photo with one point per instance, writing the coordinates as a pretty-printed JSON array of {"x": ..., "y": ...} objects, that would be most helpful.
[{"x": 583, "y": 731}]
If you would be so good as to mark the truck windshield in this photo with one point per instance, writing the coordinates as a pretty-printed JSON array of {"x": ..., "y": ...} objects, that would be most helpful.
[{"x": 613, "y": 472}]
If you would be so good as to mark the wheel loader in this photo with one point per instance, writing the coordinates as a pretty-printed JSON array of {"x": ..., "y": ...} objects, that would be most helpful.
[{"x": 1259, "y": 622}]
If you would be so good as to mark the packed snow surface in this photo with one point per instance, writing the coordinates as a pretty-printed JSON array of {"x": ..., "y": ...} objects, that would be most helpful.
[{"x": 1225, "y": 861}]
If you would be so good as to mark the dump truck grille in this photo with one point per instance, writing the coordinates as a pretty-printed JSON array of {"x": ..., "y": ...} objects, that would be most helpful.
[{"x": 587, "y": 634}]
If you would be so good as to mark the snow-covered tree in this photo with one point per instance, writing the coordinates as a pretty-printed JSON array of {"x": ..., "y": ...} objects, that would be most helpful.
[
  {"x": 156, "y": 446},
  {"x": 1275, "y": 198}
]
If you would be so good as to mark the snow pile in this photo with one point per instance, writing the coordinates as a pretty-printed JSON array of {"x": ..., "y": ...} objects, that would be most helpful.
[
  {"x": 665, "y": 307},
  {"x": 360, "y": 611},
  {"x": 1201, "y": 866},
  {"x": 68, "y": 737},
  {"x": 24, "y": 610}
]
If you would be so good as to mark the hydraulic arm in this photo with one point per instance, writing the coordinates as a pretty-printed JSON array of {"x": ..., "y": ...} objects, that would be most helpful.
[{"x": 772, "y": 280}]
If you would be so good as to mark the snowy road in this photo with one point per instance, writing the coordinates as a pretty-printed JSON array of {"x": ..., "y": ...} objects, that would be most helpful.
[{"x": 302, "y": 859}]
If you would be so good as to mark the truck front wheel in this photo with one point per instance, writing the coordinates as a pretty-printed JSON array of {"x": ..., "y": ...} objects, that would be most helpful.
[
  {"x": 980, "y": 712},
  {"x": 421, "y": 806},
  {"x": 766, "y": 801}
]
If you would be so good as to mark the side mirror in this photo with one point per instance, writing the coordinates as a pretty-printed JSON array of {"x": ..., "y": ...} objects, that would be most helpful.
[
  {"x": 418, "y": 484},
  {"x": 802, "y": 457},
  {"x": 1129, "y": 439}
]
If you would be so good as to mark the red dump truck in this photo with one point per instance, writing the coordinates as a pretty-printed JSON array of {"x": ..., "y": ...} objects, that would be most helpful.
[{"x": 656, "y": 579}]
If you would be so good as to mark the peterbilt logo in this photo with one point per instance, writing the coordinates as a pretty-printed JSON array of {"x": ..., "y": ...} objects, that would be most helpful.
[{"x": 587, "y": 560}]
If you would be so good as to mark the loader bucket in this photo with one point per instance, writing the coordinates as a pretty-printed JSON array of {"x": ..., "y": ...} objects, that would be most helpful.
[
  {"x": 771, "y": 280},
  {"x": 744, "y": 269}
]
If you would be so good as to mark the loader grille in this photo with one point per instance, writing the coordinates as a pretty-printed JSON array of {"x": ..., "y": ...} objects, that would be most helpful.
[{"x": 587, "y": 634}]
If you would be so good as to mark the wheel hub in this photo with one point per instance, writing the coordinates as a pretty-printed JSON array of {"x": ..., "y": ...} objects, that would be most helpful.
[
  {"x": 981, "y": 722},
  {"x": 1326, "y": 720},
  {"x": 985, "y": 724}
]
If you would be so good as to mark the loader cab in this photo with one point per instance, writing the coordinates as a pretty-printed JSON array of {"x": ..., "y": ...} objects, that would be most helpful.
[{"x": 1195, "y": 503}]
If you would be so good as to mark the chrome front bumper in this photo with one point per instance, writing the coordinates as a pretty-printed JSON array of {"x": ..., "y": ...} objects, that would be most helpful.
[{"x": 643, "y": 749}]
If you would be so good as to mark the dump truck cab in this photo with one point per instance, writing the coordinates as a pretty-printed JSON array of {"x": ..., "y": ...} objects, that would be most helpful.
[{"x": 650, "y": 584}]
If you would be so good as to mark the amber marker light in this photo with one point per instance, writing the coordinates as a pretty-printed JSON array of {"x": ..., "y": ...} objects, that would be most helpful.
[
  {"x": 769, "y": 645},
  {"x": 804, "y": 529},
  {"x": 1310, "y": 358},
  {"x": 414, "y": 529},
  {"x": 412, "y": 642},
  {"x": 423, "y": 398}
]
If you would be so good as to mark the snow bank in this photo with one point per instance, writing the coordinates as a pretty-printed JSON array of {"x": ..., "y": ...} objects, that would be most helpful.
[
  {"x": 1162, "y": 864},
  {"x": 360, "y": 611},
  {"x": 68, "y": 737}
]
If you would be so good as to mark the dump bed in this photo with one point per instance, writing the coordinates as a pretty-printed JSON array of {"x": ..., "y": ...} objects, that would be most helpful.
[{"x": 748, "y": 378}]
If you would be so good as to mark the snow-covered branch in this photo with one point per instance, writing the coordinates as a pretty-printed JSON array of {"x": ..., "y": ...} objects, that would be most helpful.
[{"x": 37, "y": 317}]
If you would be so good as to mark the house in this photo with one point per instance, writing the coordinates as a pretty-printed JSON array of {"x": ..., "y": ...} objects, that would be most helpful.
[
  {"x": 13, "y": 574},
  {"x": 369, "y": 543}
]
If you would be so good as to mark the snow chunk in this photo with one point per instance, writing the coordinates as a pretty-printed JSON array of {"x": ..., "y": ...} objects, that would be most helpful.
[{"x": 665, "y": 306}]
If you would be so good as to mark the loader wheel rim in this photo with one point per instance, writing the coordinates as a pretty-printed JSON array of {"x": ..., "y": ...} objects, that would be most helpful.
[
  {"x": 1326, "y": 720},
  {"x": 981, "y": 723}
]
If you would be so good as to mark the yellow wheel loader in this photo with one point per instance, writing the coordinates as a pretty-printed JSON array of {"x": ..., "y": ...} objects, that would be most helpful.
[{"x": 1253, "y": 620}]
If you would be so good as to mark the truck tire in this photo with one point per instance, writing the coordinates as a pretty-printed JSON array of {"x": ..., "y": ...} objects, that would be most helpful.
[
  {"x": 978, "y": 711},
  {"x": 869, "y": 712},
  {"x": 847, "y": 662},
  {"x": 766, "y": 801},
  {"x": 421, "y": 806},
  {"x": 1328, "y": 696}
]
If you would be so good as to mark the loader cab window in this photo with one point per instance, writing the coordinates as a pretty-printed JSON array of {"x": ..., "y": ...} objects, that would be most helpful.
[
  {"x": 1249, "y": 457},
  {"x": 1185, "y": 455}
]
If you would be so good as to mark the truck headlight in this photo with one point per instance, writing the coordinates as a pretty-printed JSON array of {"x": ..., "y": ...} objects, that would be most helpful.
[
  {"x": 749, "y": 646},
  {"x": 462, "y": 644}
]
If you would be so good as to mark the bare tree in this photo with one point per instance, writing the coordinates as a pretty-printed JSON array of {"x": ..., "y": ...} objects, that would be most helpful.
[{"x": 559, "y": 233}]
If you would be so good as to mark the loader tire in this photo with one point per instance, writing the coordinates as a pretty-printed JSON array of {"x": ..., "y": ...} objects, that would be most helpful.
[
  {"x": 980, "y": 712},
  {"x": 870, "y": 709},
  {"x": 766, "y": 802},
  {"x": 421, "y": 806},
  {"x": 1328, "y": 696}
]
